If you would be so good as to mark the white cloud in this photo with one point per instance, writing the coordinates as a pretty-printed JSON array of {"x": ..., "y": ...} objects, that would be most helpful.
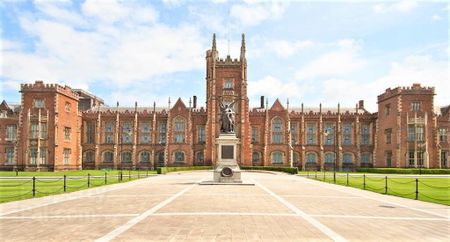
[
  {"x": 398, "y": 6},
  {"x": 254, "y": 13},
  {"x": 436, "y": 17},
  {"x": 284, "y": 49},
  {"x": 336, "y": 63},
  {"x": 117, "y": 50},
  {"x": 272, "y": 87}
]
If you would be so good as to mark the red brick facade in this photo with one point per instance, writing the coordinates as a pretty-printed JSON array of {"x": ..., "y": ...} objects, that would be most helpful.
[{"x": 58, "y": 128}]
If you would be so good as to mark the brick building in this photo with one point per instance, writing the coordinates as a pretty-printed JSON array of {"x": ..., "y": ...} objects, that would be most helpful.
[{"x": 59, "y": 128}]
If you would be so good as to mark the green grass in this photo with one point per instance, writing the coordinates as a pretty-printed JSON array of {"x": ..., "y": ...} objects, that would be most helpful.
[
  {"x": 436, "y": 190},
  {"x": 12, "y": 190}
]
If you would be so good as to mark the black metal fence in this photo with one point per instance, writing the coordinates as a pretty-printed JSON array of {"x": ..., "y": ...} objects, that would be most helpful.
[
  {"x": 403, "y": 186},
  {"x": 13, "y": 188}
]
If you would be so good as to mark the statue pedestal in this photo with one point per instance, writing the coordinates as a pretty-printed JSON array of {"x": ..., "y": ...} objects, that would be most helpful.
[{"x": 226, "y": 169}]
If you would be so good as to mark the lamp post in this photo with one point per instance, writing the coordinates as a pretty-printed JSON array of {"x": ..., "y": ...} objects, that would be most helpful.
[{"x": 327, "y": 133}]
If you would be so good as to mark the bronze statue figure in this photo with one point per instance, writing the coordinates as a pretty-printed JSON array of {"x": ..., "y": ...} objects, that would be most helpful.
[{"x": 227, "y": 118}]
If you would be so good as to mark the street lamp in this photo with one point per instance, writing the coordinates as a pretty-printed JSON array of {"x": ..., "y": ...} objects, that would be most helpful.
[{"x": 327, "y": 133}]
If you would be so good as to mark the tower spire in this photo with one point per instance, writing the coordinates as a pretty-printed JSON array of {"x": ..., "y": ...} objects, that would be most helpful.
[
  {"x": 243, "y": 47},
  {"x": 214, "y": 42}
]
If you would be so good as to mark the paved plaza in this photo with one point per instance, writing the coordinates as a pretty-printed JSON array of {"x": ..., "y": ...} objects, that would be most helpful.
[{"x": 174, "y": 207}]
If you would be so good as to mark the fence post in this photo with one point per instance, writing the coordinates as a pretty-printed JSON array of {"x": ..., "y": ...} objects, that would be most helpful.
[
  {"x": 65, "y": 183},
  {"x": 315, "y": 176},
  {"x": 89, "y": 180},
  {"x": 364, "y": 181},
  {"x": 129, "y": 175},
  {"x": 324, "y": 175},
  {"x": 147, "y": 171},
  {"x": 417, "y": 188},
  {"x": 385, "y": 185},
  {"x": 17, "y": 172},
  {"x": 119, "y": 176},
  {"x": 347, "y": 178},
  {"x": 105, "y": 178},
  {"x": 34, "y": 186},
  {"x": 138, "y": 174}
]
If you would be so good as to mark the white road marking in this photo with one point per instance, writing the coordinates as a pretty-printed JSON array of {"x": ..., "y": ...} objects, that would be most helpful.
[
  {"x": 71, "y": 216},
  {"x": 330, "y": 233},
  {"x": 379, "y": 217},
  {"x": 119, "y": 230},
  {"x": 339, "y": 188}
]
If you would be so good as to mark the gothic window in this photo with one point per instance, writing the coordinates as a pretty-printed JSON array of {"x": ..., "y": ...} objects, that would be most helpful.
[
  {"x": 228, "y": 84},
  {"x": 277, "y": 157},
  {"x": 11, "y": 132},
  {"x": 162, "y": 132},
  {"x": 415, "y": 106},
  {"x": 144, "y": 156},
  {"x": 366, "y": 158},
  {"x": 294, "y": 133},
  {"x": 127, "y": 133},
  {"x": 66, "y": 156},
  {"x": 126, "y": 156},
  {"x": 201, "y": 134},
  {"x": 39, "y": 103},
  {"x": 329, "y": 157},
  {"x": 199, "y": 158},
  {"x": 311, "y": 158},
  {"x": 365, "y": 134},
  {"x": 90, "y": 132},
  {"x": 347, "y": 134},
  {"x": 388, "y": 135},
  {"x": 443, "y": 135},
  {"x": 67, "y": 132},
  {"x": 329, "y": 130},
  {"x": 256, "y": 157},
  {"x": 43, "y": 131},
  {"x": 347, "y": 158},
  {"x": 9, "y": 155},
  {"x": 179, "y": 156},
  {"x": 295, "y": 159},
  {"x": 420, "y": 133},
  {"x": 277, "y": 131},
  {"x": 411, "y": 159},
  {"x": 311, "y": 133},
  {"x": 179, "y": 130},
  {"x": 108, "y": 156},
  {"x": 109, "y": 132},
  {"x": 67, "y": 107},
  {"x": 89, "y": 156},
  {"x": 411, "y": 133},
  {"x": 34, "y": 132},
  {"x": 255, "y": 134},
  {"x": 145, "y": 132},
  {"x": 43, "y": 155},
  {"x": 33, "y": 153}
]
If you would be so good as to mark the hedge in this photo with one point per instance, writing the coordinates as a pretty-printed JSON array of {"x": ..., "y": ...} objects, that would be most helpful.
[
  {"x": 290, "y": 170},
  {"x": 404, "y": 170},
  {"x": 164, "y": 170}
]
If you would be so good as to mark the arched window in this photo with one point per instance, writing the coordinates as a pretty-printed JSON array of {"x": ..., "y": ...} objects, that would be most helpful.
[
  {"x": 311, "y": 158},
  {"x": 126, "y": 156},
  {"x": 347, "y": 158},
  {"x": 366, "y": 158},
  {"x": 277, "y": 130},
  {"x": 179, "y": 156},
  {"x": 329, "y": 157},
  {"x": 179, "y": 130},
  {"x": 277, "y": 157},
  {"x": 199, "y": 158},
  {"x": 108, "y": 156},
  {"x": 256, "y": 157},
  {"x": 89, "y": 156},
  {"x": 295, "y": 158},
  {"x": 160, "y": 158},
  {"x": 144, "y": 156}
]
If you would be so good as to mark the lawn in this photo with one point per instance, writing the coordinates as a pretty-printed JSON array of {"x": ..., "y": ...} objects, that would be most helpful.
[
  {"x": 430, "y": 189},
  {"x": 20, "y": 187}
]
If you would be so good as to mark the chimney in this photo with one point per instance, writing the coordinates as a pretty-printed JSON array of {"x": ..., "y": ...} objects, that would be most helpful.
[
  {"x": 361, "y": 104},
  {"x": 195, "y": 101},
  {"x": 262, "y": 101}
]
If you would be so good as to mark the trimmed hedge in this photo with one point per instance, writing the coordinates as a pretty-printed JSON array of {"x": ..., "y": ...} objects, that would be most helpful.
[
  {"x": 404, "y": 170},
  {"x": 290, "y": 170},
  {"x": 164, "y": 170}
]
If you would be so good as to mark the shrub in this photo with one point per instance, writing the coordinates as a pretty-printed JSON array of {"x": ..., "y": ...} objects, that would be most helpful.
[
  {"x": 404, "y": 170},
  {"x": 164, "y": 170},
  {"x": 290, "y": 170}
]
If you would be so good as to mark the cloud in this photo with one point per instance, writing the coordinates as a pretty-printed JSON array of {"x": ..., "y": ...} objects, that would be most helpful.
[
  {"x": 399, "y": 6},
  {"x": 115, "y": 49},
  {"x": 284, "y": 48},
  {"x": 343, "y": 61},
  {"x": 272, "y": 87},
  {"x": 252, "y": 14},
  {"x": 436, "y": 17}
]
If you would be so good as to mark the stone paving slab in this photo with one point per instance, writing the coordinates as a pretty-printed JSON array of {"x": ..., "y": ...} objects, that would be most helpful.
[{"x": 223, "y": 228}]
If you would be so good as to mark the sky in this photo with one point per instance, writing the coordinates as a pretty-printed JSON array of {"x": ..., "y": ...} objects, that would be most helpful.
[{"x": 305, "y": 51}]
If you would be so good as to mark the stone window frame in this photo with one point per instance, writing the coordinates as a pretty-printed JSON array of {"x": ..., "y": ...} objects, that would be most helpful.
[
  {"x": 104, "y": 160},
  {"x": 294, "y": 128},
  {"x": 179, "y": 130},
  {"x": 347, "y": 134},
  {"x": 179, "y": 156},
  {"x": 228, "y": 84},
  {"x": 9, "y": 156},
  {"x": 67, "y": 133},
  {"x": 11, "y": 132},
  {"x": 345, "y": 157},
  {"x": 330, "y": 128},
  {"x": 368, "y": 155},
  {"x": 275, "y": 155},
  {"x": 327, "y": 159},
  {"x": 141, "y": 155},
  {"x": 258, "y": 156},
  {"x": 91, "y": 155},
  {"x": 126, "y": 132},
  {"x": 416, "y": 106},
  {"x": 201, "y": 134},
  {"x": 443, "y": 135},
  {"x": 145, "y": 132},
  {"x": 388, "y": 136},
  {"x": 277, "y": 135},
  {"x": 162, "y": 132},
  {"x": 67, "y": 153},
  {"x": 39, "y": 103},
  {"x": 309, "y": 155},
  {"x": 255, "y": 134},
  {"x": 311, "y": 135},
  {"x": 197, "y": 155}
]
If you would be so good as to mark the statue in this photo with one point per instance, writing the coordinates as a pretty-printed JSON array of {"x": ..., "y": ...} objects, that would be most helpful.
[{"x": 227, "y": 118}]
